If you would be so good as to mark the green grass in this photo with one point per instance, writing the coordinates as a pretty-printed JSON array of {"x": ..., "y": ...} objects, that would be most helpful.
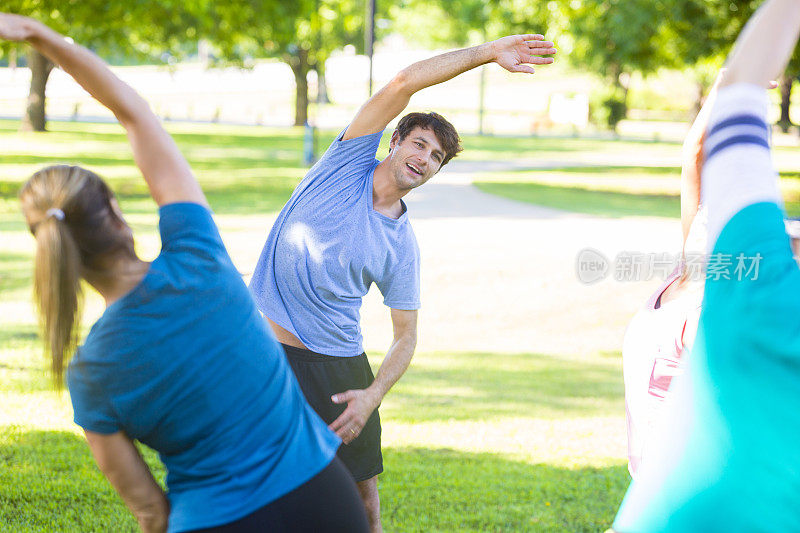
[
  {"x": 443, "y": 473},
  {"x": 489, "y": 492},
  {"x": 50, "y": 483},
  {"x": 610, "y": 190},
  {"x": 588, "y": 201}
]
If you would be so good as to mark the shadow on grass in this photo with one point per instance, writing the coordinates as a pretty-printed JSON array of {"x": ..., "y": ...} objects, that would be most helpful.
[
  {"x": 482, "y": 386},
  {"x": 246, "y": 196},
  {"x": 446, "y": 490},
  {"x": 591, "y": 202},
  {"x": 19, "y": 335},
  {"x": 262, "y": 159},
  {"x": 526, "y": 146},
  {"x": 23, "y": 365},
  {"x": 16, "y": 270},
  {"x": 49, "y": 482},
  {"x": 255, "y": 196},
  {"x": 617, "y": 170}
]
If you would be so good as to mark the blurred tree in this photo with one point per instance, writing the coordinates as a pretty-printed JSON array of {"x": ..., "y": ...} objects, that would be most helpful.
[
  {"x": 302, "y": 36},
  {"x": 136, "y": 28},
  {"x": 144, "y": 29},
  {"x": 785, "y": 85},
  {"x": 616, "y": 38},
  {"x": 452, "y": 23}
]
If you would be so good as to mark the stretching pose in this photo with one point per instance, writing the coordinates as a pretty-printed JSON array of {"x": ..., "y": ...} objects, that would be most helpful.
[
  {"x": 730, "y": 463},
  {"x": 180, "y": 360},
  {"x": 659, "y": 338},
  {"x": 345, "y": 228}
]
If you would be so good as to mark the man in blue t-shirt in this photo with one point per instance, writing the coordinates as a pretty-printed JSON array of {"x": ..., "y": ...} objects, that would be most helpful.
[{"x": 346, "y": 227}]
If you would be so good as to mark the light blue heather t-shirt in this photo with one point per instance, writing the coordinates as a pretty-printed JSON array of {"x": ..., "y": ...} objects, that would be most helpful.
[
  {"x": 328, "y": 246},
  {"x": 185, "y": 364}
]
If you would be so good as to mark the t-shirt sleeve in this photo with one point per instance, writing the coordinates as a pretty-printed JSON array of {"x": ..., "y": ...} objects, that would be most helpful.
[
  {"x": 738, "y": 170},
  {"x": 400, "y": 286},
  {"x": 357, "y": 151},
  {"x": 90, "y": 406},
  {"x": 344, "y": 160},
  {"x": 189, "y": 227}
]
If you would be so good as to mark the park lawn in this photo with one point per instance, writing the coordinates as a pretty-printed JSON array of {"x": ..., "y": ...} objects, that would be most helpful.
[
  {"x": 610, "y": 191},
  {"x": 472, "y": 441},
  {"x": 501, "y": 147}
]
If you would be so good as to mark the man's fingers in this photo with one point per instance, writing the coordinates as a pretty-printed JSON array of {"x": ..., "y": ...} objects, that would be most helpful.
[
  {"x": 342, "y": 397},
  {"x": 345, "y": 427},
  {"x": 532, "y": 37},
  {"x": 349, "y": 433},
  {"x": 540, "y": 44},
  {"x": 540, "y": 60},
  {"x": 340, "y": 422},
  {"x": 542, "y": 51},
  {"x": 523, "y": 68}
]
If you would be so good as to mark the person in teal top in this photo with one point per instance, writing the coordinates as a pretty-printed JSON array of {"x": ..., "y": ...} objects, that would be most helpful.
[
  {"x": 734, "y": 465},
  {"x": 181, "y": 359}
]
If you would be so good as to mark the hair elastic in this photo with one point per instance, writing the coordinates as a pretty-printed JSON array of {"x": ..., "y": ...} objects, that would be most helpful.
[{"x": 55, "y": 212}]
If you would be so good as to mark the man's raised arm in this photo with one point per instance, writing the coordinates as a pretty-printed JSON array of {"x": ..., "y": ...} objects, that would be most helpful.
[{"x": 514, "y": 53}]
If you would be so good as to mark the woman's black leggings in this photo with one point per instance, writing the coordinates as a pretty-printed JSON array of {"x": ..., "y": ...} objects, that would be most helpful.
[{"x": 327, "y": 503}]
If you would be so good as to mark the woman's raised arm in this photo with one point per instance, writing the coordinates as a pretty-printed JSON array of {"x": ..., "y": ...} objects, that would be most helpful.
[{"x": 163, "y": 166}]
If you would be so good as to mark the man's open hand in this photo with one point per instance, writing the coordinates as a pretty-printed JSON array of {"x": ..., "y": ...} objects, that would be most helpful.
[
  {"x": 360, "y": 405},
  {"x": 516, "y": 53}
]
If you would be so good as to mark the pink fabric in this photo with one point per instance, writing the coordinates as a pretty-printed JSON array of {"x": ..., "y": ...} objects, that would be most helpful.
[{"x": 652, "y": 354}]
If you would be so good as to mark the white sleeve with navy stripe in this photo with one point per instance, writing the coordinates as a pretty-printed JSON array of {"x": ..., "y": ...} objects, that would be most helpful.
[{"x": 738, "y": 170}]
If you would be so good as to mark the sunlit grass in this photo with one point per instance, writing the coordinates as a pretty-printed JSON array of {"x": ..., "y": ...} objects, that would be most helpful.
[
  {"x": 505, "y": 452},
  {"x": 612, "y": 191}
]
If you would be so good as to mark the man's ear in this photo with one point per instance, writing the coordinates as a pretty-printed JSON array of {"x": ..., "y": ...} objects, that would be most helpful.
[{"x": 394, "y": 140}]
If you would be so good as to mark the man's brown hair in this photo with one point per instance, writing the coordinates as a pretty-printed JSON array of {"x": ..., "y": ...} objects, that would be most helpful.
[{"x": 444, "y": 131}]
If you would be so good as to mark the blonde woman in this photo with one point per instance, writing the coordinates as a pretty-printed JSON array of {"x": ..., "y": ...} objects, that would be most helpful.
[{"x": 180, "y": 360}]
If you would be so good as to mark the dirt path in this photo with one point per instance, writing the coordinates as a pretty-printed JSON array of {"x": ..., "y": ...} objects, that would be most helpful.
[{"x": 500, "y": 275}]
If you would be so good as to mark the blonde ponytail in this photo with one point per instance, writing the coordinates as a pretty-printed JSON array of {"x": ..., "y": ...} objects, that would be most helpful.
[
  {"x": 57, "y": 290},
  {"x": 69, "y": 211}
]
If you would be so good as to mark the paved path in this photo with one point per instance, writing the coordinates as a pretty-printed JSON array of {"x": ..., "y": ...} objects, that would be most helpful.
[{"x": 500, "y": 275}]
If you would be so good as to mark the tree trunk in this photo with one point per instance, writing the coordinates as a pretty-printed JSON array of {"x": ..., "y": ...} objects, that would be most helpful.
[
  {"x": 786, "y": 100},
  {"x": 322, "y": 85},
  {"x": 482, "y": 100},
  {"x": 699, "y": 97},
  {"x": 298, "y": 61},
  {"x": 35, "y": 118}
]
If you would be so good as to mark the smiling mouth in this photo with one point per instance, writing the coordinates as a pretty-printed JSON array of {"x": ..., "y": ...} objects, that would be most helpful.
[{"x": 414, "y": 169}]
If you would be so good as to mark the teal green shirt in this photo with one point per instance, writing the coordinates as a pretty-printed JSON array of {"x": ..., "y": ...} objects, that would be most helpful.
[{"x": 739, "y": 467}]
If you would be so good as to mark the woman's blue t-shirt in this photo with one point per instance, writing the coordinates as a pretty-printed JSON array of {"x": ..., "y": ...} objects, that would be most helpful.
[{"x": 185, "y": 364}]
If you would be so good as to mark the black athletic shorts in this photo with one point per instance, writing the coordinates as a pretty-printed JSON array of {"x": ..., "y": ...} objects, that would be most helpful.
[
  {"x": 320, "y": 377},
  {"x": 327, "y": 503}
]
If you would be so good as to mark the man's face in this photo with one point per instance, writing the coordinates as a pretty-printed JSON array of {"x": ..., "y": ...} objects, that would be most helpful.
[{"x": 415, "y": 159}]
